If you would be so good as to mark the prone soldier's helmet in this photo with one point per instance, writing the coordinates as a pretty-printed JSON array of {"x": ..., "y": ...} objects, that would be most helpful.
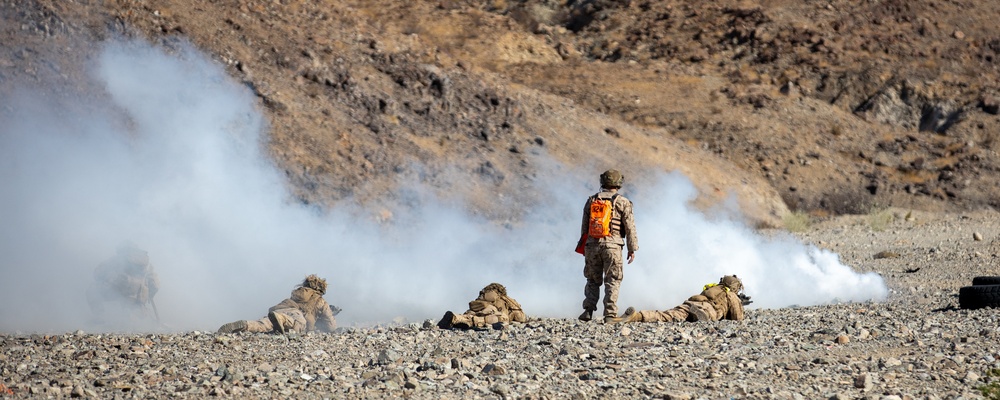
[
  {"x": 316, "y": 283},
  {"x": 732, "y": 282},
  {"x": 496, "y": 287},
  {"x": 612, "y": 179}
]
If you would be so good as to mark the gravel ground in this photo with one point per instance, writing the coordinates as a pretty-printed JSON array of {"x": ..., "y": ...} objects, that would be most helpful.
[{"x": 916, "y": 345}]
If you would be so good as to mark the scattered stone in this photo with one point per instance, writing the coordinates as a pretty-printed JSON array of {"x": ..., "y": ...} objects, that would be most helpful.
[
  {"x": 886, "y": 254},
  {"x": 977, "y": 236},
  {"x": 863, "y": 381}
]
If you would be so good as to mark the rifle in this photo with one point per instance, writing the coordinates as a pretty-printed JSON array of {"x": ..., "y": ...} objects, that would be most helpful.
[
  {"x": 744, "y": 299},
  {"x": 335, "y": 310}
]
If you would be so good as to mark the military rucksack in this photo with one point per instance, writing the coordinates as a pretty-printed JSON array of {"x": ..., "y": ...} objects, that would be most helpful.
[{"x": 599, "y": 225}]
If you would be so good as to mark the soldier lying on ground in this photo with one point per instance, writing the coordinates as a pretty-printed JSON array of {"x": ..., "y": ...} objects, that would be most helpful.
[
  {"x": 304, "y": 311},
  {"x": 491, "y": 307},
  {"x": 718, "y": 301},
  {"x": 127, "y": 281}
]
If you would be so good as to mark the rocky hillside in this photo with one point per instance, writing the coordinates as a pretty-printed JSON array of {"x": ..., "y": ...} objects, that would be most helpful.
[{"x": 830, "y": 108}]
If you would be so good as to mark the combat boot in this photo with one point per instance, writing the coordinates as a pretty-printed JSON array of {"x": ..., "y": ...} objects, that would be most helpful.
[
  {"x": 448, "y": 321},
  {"x": 586, "y": 316},
  {"x": 275, "y": 322},
  {"x": 233, "y": 327},
  {"x": 630, "y": 315}
]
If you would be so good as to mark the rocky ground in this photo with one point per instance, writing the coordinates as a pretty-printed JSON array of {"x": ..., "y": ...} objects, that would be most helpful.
[{"x": 916, "y": 345}]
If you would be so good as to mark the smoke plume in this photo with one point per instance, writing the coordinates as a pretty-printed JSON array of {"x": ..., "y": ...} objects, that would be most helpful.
[{"x": 171, "y": 158}]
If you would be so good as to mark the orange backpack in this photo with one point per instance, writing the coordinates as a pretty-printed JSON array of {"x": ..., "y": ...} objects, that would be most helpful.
[{"x": 600, "y": 217}]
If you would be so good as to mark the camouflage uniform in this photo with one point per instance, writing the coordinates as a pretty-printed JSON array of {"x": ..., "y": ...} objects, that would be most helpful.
[
  {"x": 127, "y": 280},
  {"x": 716, "y": 302},
  {"x": 603, "y": 256},
  {"x": 492, "y": 306},
  {"x": 304, "y": 311}
]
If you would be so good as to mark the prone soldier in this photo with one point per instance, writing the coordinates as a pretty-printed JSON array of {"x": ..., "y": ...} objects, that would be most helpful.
[
  {"x": 304, "y": 311},
  {"x": 723, "y": 300},
  {"x": 491, "y": 307}
]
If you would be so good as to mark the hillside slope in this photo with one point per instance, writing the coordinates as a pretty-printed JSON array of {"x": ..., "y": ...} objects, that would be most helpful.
[{"x": 833, "y": 108}]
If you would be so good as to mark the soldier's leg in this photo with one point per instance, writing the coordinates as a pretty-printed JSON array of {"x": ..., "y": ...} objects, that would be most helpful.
[
  {"x": 287, "y": 320},
  {"x": 593, "y": 270},
  {"x": 462, "y": 321},
  {"x": 612, "y": 280},
  {"x": 260, "y": 326},
  {"x": 702, "y": 311},
  {"x": 676, "y": 314},
  {"x": 485, "y": 321},
  {"x": 246, "y": 326}
]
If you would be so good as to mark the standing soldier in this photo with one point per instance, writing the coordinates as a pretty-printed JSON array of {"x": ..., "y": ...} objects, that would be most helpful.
[
  {"x": 724, "y": 300},
  {"x": 608, "y": 224},
  {"x": 304, "y": 311}
]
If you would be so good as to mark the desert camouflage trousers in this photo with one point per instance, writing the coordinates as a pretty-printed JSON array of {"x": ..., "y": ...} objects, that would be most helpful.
[
  {"x": 603, "y": 266},
  {"x": 291, "y": 319},
  {"x": 481, "y": 319},
  {"x": 688, "y": 311}
]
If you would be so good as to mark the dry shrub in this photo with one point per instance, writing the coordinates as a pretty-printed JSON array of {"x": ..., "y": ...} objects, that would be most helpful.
[
  {"x": 880, "y": 218},
  {"x": 796, "y": 221}
]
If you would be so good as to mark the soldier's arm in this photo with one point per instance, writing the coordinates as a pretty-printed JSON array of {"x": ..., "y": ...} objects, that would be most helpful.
[
  {"x": 735, "y": 312},
  {"x": 326, "y": 322},
  {"x": 628, "y": 227}
]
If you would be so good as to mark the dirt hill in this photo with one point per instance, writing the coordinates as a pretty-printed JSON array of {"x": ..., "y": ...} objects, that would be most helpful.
[{"x": 825, "y": 107}]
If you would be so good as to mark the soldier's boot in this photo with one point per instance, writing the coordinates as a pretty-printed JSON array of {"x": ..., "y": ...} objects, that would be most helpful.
[
  {"x": 448, "y": 321},
  {"x": 275, "y": 322},
  {"x": 586, "y": 316},
  {"x": 233, "y": 327},
  {"x": 630, "y": 315}
]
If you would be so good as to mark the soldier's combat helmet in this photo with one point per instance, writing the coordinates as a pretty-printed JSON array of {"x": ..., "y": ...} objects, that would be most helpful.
[
  {"x": 316, "y": 283},
  {"x": 732, "y": 282},
  {"x": 133, "y": 254},
  {"x": 612, "y": 179},
  {"x": 496, "y": 287}
]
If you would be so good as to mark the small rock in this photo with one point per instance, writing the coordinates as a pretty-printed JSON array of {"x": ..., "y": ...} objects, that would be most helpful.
[
  {"x": 886, "y": 254},
  {"x": 843, "y": 339},
  {"x": 977, "y": 236},
  {"x": 493, "y": 369},
  {"x": 959, "y": 35},
  {"x": 412, "y": 383},
  {"x": 863, "y": 381}
]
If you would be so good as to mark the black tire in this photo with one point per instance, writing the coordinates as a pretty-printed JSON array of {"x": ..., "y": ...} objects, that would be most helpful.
[
  {"x": 986, "y": 280},
  {"x": 973, "y": 297}
]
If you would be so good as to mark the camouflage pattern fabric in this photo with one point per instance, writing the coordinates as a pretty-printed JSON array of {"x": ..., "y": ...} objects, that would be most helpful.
[
  {"x": 304, "y": 311},
  {"x": 291, "y": 319},
  {"x": 492, "y": 306},
  {"x": 603, "y": 266},
  {"x": 603, "y": 263},
  {"x": 128, "y": 280},
  {"x": 714, "y": 303}
]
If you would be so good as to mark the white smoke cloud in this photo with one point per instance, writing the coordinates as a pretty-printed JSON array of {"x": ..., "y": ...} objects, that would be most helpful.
[{"x": 172, "y": 160}]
